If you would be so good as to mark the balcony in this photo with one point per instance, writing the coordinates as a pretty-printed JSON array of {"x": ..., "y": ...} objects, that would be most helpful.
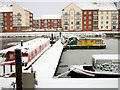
[
  {"x": 65, "y": 14},
  {"x": 95, "y": 19},
  {"x": 114, "y": 13},
  {"x": 114, "y": 23},
  {"x": 95, "y": 24},
  {"x": 95, "y": 29},
  {"x": 77, "y": 23},
  {"x": 114, "y": 18},
  {"x": 95, "y": 14}
]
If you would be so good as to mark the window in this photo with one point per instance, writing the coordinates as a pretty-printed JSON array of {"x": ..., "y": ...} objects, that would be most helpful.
[
  {"x": 106, "y": 17},
  {"x": 106, "y": 22},
  {"x": 85, "y": 42},
  {"x": 89, "y": 27},
  {"x": 89, "y": 17},
  {"x": 66, "y": 28},
  {"x": 10, "y": 23},
  {"x": 101, "y": 22},
  {"x": 77, "y": 23},
  {"x": 79, "y": 42},
  {"x": 89, "y": 12},
  {"x": 98, "y": 42},
  {"x": 11, "y": 28},
  {"x": 72, "y": 18},
  {"x": 71, "y": 27},
  {"x": 85, "y": 12},
  {"x": 77, "y": 18},
  {"x": 106, "y": 27},
  {"x": 5, "y": 23},
  {"x": 101, "y": 27},
  {"x": 95, "y": 13},
  {"x": 102, "y": 12},
  {"x": 101, "y": 17},
  {"x": 106, "y": 12},
  {"x": 11, "y": 56},
  {"x": 114, "y": 27},
  {"x": 5, "y": 19},
  {"x": 5, "y": 14},
  {"x": 84, "y": 22},
  {"x": 89, "y": 22},
  {"x": 84, "y": 17},
  {"x": 71, "y": 12},
  {"x": 78, "y": 13},
  {"x": 84, "y": 27},
  {"x": 11, "y": 14},
  {"x": 5, "y": 27},
  {"x": 11, "y": 19},
  {"x": 78, "y": 28}
]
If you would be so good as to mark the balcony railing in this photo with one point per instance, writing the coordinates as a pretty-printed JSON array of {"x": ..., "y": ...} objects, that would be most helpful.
[
  {"x": 114, "y": 13},
  {"x": 114, "y": 23},
  {"x": 65, "y": 14},
  {"x": 114, "y": 18},
  {"x": 95, "y": 24},
  {"x": 95, "y": 14},
  {"x": 77, "y": 23},
  {"x": 66, "y": 24}
]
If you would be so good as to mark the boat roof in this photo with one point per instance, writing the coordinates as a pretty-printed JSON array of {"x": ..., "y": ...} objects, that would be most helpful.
[
  {"x": 27, "y": 46},
  {"x": 106, "y": 57}
]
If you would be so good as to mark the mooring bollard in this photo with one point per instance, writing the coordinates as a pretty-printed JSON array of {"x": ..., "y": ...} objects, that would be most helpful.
[
  {"x": 18, "y": 66},
  {"x": 51, "y": 39},
  {"x": 21, "y": 43}
]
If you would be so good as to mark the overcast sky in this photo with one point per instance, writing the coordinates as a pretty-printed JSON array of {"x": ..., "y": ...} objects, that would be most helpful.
[{"x": 46, "y": 7}]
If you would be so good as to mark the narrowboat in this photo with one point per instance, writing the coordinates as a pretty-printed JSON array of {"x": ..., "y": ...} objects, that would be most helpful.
[
  {"x": 84, "y": 43},
  {"x": 30, "y": 51},
  {"x": 103, "y": 66}
]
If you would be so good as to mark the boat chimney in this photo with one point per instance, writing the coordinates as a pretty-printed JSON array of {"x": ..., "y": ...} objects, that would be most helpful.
[{"x": 21, "y": 43}]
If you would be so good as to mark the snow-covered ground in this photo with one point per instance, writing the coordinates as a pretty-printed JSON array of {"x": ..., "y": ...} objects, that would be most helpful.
[{"x": 46, "y": 66}]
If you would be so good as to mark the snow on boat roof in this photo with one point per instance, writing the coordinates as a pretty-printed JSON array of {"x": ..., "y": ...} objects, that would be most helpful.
[
  {"x": 97, "y": 5},
  {"x": 27, "y": 46},
  {"x": 106, "y": 56},
  {"x": 6, "y": 8},
  {"x": 36, "y": 18},
  {"x": 51, "y": 17}
]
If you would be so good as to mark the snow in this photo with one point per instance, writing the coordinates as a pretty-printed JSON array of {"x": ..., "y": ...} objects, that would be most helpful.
[
  {"x": 45, "y": 67},
  {"x": 6, "y": 8},
  {"x": 106, "y": 56},
  {"x": 96, "y": 5},
  {"x": 51, "y": 17}
]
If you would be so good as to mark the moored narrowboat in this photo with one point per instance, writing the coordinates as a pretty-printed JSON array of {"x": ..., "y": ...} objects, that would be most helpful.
[
  {"x": 103, "y": 66},
  {"x": 30, "y": 51},
  {"x": 85, "y": 43}
]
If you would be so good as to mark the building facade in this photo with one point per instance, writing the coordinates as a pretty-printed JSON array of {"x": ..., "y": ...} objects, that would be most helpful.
[
  {"x": 48, "y": 23},
  {"x": 72, "y": 18},
  {"x": 14, "y": 18},
  {"x": 94, "y": 17}
]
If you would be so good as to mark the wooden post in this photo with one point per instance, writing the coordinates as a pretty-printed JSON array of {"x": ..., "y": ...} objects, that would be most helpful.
[
  {"x": 51, "y": 39},
  {"x": 18, "y": 65},
  {"x": 21, "y": 43}
]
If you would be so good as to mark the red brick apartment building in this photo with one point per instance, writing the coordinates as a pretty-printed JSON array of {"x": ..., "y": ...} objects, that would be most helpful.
[
  {"x": 14, "y": 18},
  {"x": 90, "y": 20},
  {"x": 48, "y": 22}
]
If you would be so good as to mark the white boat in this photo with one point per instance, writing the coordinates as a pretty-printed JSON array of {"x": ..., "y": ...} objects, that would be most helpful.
[{"x": 103, "y": 66}]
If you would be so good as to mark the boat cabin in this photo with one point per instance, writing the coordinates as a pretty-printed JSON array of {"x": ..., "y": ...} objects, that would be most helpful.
[{"x": 106, "y": 62}]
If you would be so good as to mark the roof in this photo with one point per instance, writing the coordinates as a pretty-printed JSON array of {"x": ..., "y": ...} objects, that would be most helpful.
[
  {"x": 97, "y": 5},
  {"x": 36, "y": 18},
  {"x": 106, "y": 56},
  {"x": 51, "y": 17},
  {"x": 6, "y": 8}
]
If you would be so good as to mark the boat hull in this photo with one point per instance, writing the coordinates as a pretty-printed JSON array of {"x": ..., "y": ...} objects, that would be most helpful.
[
  {"x": 74, "y": 74},
  {"x": 85, "y": 47}
]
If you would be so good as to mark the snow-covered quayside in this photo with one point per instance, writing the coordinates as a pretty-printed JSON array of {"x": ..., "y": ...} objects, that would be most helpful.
[{"x": 46, "y": 66}]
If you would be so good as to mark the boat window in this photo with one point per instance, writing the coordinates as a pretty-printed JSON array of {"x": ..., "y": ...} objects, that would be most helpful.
[
  {"x": 79, "y": 42},
  {"x": 85, "y": 42},
  {"x": 11, "y": 56},
  {"x": 98, "y": 42}
]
